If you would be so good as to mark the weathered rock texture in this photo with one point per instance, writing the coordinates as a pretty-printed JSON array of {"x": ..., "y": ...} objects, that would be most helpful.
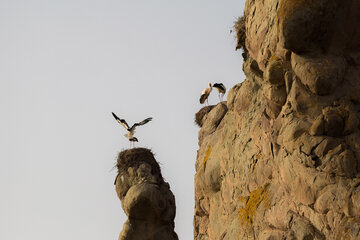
[
  {"x": 281, "y": 159},
  {"x": 145, "y": 197}
]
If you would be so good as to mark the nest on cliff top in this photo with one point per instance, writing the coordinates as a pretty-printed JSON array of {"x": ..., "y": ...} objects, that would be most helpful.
[
  {"x": 240, "y": 30},
  {"x": 134, "y": 157},
  {"x": 199, "y": 116}
]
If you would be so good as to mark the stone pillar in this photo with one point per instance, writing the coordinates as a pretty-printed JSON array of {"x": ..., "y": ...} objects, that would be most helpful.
[{"x": 145, "y": 198}]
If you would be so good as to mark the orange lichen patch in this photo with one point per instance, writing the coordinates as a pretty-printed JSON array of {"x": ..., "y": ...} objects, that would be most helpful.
[
  {"x": 258, "y": 198},
  {"x": 207, "y": 155},
  {"x": 275, "y": 62},
  {"x": 274, "y": 58}
]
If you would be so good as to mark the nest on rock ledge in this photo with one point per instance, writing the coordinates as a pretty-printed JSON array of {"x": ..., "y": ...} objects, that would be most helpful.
[
  {"x": 200, "y": 115},
  {"x": 134, "y": 157}
]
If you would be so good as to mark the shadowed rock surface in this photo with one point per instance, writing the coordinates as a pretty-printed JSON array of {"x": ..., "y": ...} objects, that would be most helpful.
[
  {"x": 199, "y": 116},
  {"x": 145, "y": 198},
  {"x": 282, "y": 159}
]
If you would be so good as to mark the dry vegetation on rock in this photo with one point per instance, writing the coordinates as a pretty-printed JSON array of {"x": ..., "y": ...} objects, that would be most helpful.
[{"x": 239, "y": 27}]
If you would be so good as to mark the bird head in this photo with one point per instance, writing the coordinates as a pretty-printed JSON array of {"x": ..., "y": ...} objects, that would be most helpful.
[{"x": 210, "y": 85}]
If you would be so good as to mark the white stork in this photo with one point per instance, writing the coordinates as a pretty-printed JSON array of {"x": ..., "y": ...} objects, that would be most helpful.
[
  {"x": 205, "y": 94},
  {"x": 221, "y": 89},
  {"x": 131, "y": 130}
]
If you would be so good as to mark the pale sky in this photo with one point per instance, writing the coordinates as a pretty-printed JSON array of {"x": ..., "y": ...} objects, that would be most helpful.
[{"x": 65, "y": 65}]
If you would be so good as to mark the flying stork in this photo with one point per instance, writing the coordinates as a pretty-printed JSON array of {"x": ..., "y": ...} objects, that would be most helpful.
[
  {"x": 205, "y": 94},
  {"x": 221, "y": 89},
  {"x": 131, "y": 130}
]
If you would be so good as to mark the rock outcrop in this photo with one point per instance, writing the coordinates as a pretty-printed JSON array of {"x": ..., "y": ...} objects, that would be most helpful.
[
  {"x": 145, "y": 197},
  {"x": 281, "y": 158}
]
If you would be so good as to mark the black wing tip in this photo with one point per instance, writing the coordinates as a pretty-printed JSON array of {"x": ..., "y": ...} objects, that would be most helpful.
[
  {"x": 114, "y": 115},
  {"x": 148, "y": 119},
  {"x": 220, "y": 87}
]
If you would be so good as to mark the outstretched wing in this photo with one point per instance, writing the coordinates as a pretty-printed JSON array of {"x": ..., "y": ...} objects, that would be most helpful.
[
  {"x": 121, "y": 121},
  {"x": 141, "y": 123}
]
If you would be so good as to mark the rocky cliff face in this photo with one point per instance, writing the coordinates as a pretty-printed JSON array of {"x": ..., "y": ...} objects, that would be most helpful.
[
  {"x": 145, "y": 197},
  {"x": 281, "y": 158}
]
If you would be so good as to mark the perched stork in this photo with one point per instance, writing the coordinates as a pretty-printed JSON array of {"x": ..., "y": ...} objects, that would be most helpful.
[
  {"x": 221, "y": 89},
  {"x": 205, "y": 94},
  {"x": 131, "y": 130}
]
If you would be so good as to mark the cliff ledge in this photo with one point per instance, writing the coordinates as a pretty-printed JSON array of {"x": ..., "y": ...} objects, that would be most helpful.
[{"x": 281, "y": 158}]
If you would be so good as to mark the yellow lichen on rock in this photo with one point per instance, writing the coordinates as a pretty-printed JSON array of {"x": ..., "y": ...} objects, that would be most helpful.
[
  {"x": 274, "y": 58},
  {"x": 257, "y": 197},
  {"x": 243, "y": 199},
  {"x": 207, "y": 155}
]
